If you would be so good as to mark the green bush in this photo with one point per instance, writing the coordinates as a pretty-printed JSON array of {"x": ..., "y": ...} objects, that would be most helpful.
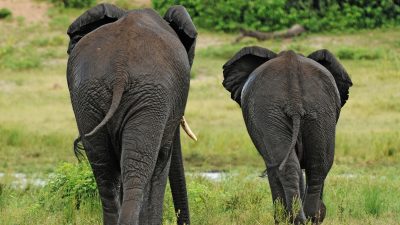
[
  {"x": 271, "y": 15},
  {"x": 73, "y": 182},
  {"x": 74, "y": 3},
  {"x": 4, "y": 13}
]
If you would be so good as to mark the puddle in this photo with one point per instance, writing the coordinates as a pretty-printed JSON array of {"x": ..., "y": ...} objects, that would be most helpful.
[
  {"x": 215, "y": 176},
  {"x": 21, "y": 180}
]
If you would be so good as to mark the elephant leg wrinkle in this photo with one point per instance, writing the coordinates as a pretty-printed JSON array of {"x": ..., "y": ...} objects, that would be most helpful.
[{"x": 131, "y": 206}]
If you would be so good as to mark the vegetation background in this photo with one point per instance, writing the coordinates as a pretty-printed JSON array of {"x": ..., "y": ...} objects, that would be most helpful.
[{"x": 42, "y": 183}]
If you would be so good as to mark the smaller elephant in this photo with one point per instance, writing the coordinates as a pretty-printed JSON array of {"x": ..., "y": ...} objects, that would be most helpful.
[{"x": 291, "y": 104}]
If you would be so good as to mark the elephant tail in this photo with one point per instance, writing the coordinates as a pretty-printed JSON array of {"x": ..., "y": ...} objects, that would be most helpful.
[
  {"x": 296, "y": 129},
  {"x": 118, "y": 90}
]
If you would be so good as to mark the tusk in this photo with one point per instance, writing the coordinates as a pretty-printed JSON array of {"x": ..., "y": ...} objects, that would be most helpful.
[{"x": 187, "y": 129}]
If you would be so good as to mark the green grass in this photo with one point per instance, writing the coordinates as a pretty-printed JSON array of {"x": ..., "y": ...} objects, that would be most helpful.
[
  {"x": 365, "y": 196},
  {"x": 37, "y": 128}
]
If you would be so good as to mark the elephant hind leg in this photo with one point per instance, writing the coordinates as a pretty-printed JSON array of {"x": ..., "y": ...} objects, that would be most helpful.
[
  {"x": 141, "y": 141},
  {"x": 106, "y": 171},
  {"x": 152, "y": 208},
  {"x": 290, "y": 178},
  {"x": 319, "y": 155}
]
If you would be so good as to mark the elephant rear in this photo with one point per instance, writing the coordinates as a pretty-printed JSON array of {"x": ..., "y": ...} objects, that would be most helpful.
[
  {"x": 128, "y": 76},
  {"x": 138, "y": 53},
  {"x": 290, "y": 105}
]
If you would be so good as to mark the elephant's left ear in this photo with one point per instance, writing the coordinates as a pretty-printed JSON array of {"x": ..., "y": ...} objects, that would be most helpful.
[
  {"x": 342, "y": 78},
  {"x": 179, "y": 19},
  {"x": 240, "y": 66},
  {"x": 92, "y": 19}
]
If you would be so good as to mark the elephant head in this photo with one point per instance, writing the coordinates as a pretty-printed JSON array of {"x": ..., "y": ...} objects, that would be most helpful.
[{"x": 290, "y": 104}]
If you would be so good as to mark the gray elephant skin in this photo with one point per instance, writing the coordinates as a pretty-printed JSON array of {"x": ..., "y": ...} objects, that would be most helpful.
[
  {"x": 291, "y": 104},
  {"x": 128, "y": 75}
]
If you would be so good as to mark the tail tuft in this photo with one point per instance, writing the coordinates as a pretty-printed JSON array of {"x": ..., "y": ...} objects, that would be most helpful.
[{"x": 78, "y": 149}]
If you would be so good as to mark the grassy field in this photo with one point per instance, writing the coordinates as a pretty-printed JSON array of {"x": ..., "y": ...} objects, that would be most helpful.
[{"x": 37, "y": 128}]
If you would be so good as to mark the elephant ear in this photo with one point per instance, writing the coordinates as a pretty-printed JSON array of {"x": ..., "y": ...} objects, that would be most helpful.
[
  {"x": 91, "y": 20},
  {"x": 180, "y": 21},
  {"x": 342, "y": 78},
  {"x": 240, "y": 66}
]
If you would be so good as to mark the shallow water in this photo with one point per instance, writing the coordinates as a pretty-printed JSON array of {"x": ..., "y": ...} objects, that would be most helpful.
[
  {"x": 215, "y": 176},
  {"x": 21, "y": 180}
]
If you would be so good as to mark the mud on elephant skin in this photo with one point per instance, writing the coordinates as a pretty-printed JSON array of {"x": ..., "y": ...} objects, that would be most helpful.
[
  {"x": 128, "y": 75},
  {"x": 290, "y": 104}
]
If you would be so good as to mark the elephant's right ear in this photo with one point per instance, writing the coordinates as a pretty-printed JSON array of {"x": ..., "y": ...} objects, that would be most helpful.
[
  {"x": 91, "y": 20},
  {"x": 179, "y": 19},
  {"x": 240, "y": 66},
  {"x": 342, "y": 78}
]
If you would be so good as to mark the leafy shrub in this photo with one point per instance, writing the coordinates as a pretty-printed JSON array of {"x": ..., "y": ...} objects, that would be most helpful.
[
  {"x": 4, "y": 13},
  {"x": 271, "y": 15},
  {"x": 73, "y": 182},
  {"x": 74, "y": 3}
]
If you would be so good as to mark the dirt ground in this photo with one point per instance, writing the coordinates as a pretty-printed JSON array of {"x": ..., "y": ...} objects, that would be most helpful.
[{"x": 32, "y": 11}]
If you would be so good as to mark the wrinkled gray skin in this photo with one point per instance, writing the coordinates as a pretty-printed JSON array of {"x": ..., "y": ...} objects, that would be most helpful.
[
  {"x": 290, "y": 105},
  {"x": 129, "y": 83}
]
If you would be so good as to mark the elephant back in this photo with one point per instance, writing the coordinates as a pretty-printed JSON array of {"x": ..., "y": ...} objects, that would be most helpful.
[{"x": 91, "y": 20}]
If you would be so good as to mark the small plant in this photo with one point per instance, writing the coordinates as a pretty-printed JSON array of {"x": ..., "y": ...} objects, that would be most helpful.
[{"x": 4, "y": 13}]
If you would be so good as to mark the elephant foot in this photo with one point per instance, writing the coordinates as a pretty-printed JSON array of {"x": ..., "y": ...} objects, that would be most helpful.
[
  {"x": 320, "y": 215},
  {"x": 300, "y": 219}
]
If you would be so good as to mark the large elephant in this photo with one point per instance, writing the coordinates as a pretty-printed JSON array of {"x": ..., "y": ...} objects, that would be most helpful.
[
  {"x": 290, "y": 104},
  {"x": 128, "y": 75}
]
